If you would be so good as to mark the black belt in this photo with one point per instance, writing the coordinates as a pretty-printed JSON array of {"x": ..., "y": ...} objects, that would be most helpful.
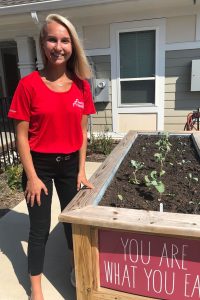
[{"x": 58, "y": 157}]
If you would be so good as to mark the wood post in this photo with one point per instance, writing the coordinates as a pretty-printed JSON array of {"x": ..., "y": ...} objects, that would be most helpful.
[{"x": 83, "y": 261}]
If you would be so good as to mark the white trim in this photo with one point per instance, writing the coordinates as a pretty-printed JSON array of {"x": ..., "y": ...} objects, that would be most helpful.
[
  {"x": 156, "y": 24},
  {"x": 94, "y": 52},
  {"x": 182, "y": 46},
  {"x": 197, "y": 27},
  {"x": 138, "y": 109},
  {"x": 49, "y": 5},
  {"x": 138, "y": 79}
]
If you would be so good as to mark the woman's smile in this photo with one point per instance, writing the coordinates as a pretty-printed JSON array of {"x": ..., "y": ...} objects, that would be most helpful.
[{"x": 57, "y": 43}]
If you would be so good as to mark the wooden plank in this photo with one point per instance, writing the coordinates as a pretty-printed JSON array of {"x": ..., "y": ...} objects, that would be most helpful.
[
  {"x": 106, "y": 294},
  {"x": 196, "y": 140},
  {"x": 83, "y": 261},
  {"x": 83, "y": 209},
  {"x": 95, "y": 258},
  {"x": 174, "y": 224},
  {"x": 101, "y": 177}
]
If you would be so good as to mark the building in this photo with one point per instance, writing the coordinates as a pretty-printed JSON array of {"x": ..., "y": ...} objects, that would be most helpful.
[{"x": 145, "y": 55}]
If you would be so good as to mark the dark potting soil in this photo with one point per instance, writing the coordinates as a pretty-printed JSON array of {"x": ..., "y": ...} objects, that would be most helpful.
[{"x": 181, "y": 178}]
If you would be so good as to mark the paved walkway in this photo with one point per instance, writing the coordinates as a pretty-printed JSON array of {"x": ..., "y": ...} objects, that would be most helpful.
[{"x": 14, "y": 283}]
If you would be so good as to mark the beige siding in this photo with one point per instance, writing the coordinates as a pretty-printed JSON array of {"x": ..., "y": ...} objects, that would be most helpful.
[
  {"x": 102, "y": 120},
  {"x": 134, "y": 121},
  {"x": 180, "y": 29},
  {"x": 179, "y": 100},
  {"x": 96, "y": 36}
]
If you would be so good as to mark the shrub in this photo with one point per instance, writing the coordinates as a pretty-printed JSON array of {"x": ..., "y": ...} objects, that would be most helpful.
[
  {"x": 13, "y": 175},
  {"x": 102, "y": 143}
]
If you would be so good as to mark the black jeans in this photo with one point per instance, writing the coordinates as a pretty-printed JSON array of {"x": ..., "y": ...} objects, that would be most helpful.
[{"x": 63, "y": 170}]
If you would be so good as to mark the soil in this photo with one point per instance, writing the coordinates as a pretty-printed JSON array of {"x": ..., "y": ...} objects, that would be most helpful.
[{"x": 182, "y": 193}]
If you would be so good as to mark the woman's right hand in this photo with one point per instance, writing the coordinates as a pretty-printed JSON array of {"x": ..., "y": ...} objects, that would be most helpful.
[{"x": 33, "y": 191}]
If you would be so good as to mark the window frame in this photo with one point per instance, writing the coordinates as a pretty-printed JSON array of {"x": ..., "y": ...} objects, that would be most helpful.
[
  {"x": 120, "y": 104},
  {"x": 158, "y": 107}
]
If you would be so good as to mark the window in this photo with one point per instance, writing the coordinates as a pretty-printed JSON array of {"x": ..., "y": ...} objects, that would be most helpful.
[
  {"x": 138, "y": 70},
  {"x": 137, "y": 67}
]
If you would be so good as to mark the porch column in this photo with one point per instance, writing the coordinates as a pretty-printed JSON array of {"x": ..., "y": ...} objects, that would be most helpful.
[
  {"x": 39, "y": 63},
  {"x": 26, "y": 55}
]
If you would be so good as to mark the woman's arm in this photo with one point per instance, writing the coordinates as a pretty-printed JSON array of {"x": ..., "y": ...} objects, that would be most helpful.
[
  {"x": 34, "y": 184},
  {"x": 82, "y": 157}
]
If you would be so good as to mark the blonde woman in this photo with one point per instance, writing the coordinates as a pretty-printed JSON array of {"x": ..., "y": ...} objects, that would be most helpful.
[{"x": 51, "y": 110}]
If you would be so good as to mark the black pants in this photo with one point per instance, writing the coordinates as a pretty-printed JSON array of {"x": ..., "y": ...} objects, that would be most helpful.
[{"x": 63, "y": 170}]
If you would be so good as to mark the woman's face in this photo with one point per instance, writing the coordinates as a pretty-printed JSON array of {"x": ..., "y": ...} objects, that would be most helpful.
[{"x": 57, "y": 44}]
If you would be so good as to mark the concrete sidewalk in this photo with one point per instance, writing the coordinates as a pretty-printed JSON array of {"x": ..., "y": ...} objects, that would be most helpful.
[{"x": 14, "y": 282}]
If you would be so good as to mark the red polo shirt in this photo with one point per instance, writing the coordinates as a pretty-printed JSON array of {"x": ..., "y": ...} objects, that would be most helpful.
[{"x": 54, "y": 117}]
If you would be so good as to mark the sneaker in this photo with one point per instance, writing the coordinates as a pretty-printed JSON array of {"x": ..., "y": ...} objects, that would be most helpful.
[{"x": 72, "y": 278}]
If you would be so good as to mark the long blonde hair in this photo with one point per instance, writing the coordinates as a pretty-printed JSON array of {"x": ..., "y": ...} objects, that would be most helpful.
[{"x": 77, "y": 63}]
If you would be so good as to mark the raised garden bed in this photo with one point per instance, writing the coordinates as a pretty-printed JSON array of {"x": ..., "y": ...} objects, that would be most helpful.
[
  {"x": 180, "y": 179},
  {"x": 123, "y": 253}
]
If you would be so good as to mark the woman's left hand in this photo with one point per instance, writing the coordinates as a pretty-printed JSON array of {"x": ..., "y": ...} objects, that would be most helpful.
[{"x": 83, "y": 180}]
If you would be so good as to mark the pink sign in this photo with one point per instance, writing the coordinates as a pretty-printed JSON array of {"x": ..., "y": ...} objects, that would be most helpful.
[{"x": 154, "y": 266}]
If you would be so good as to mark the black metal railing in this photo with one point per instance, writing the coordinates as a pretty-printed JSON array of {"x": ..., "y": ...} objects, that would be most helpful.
[{"x": 8, "y": 151}]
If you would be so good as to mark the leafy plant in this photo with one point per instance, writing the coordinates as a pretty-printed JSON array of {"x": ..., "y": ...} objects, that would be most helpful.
[
  {"x": 13, "y": 174},
  {"x": 164, "y": 146},
  {"x": 155, "y": 181},
  {"x": 102, "y": 143},
  {"x": 136, "y": 166}
]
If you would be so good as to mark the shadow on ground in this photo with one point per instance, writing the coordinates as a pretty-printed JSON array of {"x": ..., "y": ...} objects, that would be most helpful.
[{"x": 14, "y": 229}]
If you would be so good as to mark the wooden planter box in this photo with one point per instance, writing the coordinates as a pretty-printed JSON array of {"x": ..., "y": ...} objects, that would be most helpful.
[{"x": 124, "y": 254}]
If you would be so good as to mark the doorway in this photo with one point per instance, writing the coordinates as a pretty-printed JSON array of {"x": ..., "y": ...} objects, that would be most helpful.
[{"x": 10, "y": 70}]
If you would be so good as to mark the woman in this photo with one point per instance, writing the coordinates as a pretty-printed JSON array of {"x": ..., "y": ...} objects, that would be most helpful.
[{"x": 50, "y": 108}]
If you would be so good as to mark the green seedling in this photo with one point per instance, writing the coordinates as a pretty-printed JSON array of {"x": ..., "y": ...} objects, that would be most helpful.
[
  {"x": 191, "y": 179},
  {"x": 154, "y": 181},
  {"x": 120, "y": 197},
  {"x": 164, "y": 144},
  {"x": 136, "y": 166}
]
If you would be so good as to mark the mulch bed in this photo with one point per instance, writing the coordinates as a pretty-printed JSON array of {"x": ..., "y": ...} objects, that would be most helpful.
[{"x": 182, "y": 193}]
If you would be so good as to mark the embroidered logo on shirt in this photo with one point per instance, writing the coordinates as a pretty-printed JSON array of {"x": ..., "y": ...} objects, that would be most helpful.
[
  {"x": 12, "y": 110},
  {"x": 78, "y": 103}
]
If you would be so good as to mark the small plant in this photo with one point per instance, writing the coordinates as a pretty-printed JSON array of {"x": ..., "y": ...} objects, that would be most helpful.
[
  {"x": 102, "y": 143},
  {"x": 13, "y": 174},
  {"x": 136, "y": 166},
  {"x": 191, "y": 179},
  {"x": 120, "y": 197},
  {"x": 164, "y": 146},
  {"x": 155, "y": 181}
]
